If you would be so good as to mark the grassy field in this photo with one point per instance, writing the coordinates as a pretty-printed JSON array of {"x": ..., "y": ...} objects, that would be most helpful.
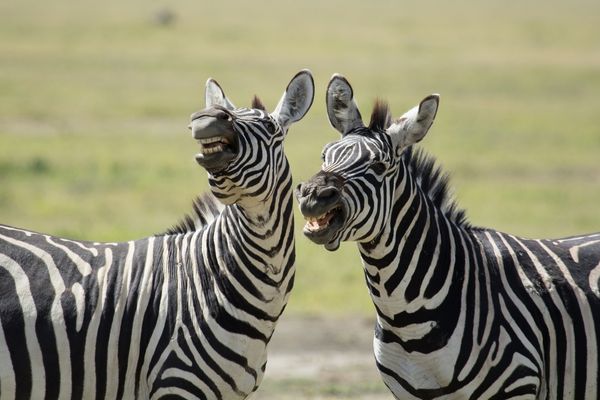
[{"x": 95, "y": 99}]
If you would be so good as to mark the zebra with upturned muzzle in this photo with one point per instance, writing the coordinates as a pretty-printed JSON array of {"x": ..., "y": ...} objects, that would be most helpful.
[{"x": 183, "y": 314}]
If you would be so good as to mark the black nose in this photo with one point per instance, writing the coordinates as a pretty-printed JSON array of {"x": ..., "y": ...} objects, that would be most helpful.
[
  {"x": 315, "y": 198},
  {"x": 210, "y": 123},
  {"x": 327, "y": 193}
]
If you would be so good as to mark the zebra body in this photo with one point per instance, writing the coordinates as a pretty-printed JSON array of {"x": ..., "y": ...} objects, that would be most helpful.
[
  {"x": 183, "y": 314},
  {"x": 462, "y": 312}
]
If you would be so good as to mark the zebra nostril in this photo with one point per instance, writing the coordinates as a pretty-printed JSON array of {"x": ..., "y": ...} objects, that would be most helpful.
[
  {"x": 328, "y": 192},
  {"x": 223, "y": 116}
]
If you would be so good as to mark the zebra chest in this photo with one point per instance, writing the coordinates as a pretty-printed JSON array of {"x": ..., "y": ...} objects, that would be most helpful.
[
  {"x": 414, "y": 370},
  {"x": 211, "y": 363}
]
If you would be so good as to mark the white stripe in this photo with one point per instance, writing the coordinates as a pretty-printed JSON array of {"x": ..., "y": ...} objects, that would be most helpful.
[
  {"x": 565, "y": 317},
  {"x": 112, "y": 361},
  {"x": 9, "y": 228},
  {"x": 593, "y": 279},
  {"x": 89, "y": 363},
  {"x": 81, "y": 245},
  {"x": 7, "y": 376},
  {"x": 575, "y": 249},
  {"x": 38, "y": 374},
  {"x": 516, "y": 301},
  {"x": 590, "y": 331},
  {"x": 170, "y": 391},
  {"x": 160, "y": 324},
  {"x": 57, "y": 318},
  {"x": 79, "y": 295},
  {"x": 83, "y": 266},
  {"x": 145, "y": 291}
]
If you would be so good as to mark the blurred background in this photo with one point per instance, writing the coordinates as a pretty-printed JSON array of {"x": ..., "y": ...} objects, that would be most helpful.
[{"x": 95, "y": 99}]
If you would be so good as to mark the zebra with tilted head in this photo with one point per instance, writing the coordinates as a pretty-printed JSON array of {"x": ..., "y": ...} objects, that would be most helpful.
[
  {"x": 184, "y": 314},
  {"x": 462, "y": 312}
]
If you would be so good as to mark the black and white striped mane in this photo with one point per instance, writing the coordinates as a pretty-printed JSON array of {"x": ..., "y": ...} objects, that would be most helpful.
[
  {"x": 205, "y": 209},
  {"x": 435, "y": 183},
  {"x": 424, "y": 168}
]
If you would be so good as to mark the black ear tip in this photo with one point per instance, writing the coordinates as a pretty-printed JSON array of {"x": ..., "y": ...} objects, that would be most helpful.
[
  {"x": 211, "y": 82},
  {"x": 338, "y": 83},
  {"x": 338, "y": 78},
  {"x": 305, "y": 71},
  {"x": 435, "y": 97}
]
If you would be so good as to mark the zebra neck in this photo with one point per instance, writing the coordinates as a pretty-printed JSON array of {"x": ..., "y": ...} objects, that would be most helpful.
[
  {"x": 247, "y": 256},
  {"x": 417, "y": 270},
  {"x": 265, "y": 229}
]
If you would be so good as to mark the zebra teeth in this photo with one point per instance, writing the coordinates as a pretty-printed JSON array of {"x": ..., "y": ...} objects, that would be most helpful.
[
  {"x": 322, "y": 221},
  {"x": 213, "y": 145}
]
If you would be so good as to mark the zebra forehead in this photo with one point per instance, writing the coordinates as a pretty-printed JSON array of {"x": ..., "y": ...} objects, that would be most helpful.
[
  {"x": 376, "y": 144},
  {"x": 250, "y": 113}
]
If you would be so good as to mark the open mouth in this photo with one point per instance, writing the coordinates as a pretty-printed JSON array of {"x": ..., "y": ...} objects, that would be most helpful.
[
  {"x": 214, "y": 145},
  {"x": 215, "y": 153},
  {"x": 316, "y": 224},
  {"x": 323, "y": 228}
]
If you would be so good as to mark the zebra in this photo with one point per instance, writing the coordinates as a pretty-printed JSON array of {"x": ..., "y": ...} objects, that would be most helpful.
[
  {"x": 461, "y": 311},
  {"x": 187, "y": 313}
]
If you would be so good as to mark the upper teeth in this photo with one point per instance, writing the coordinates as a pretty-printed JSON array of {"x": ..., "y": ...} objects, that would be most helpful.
[
  {"x": 214, "y": 142},
  {"x": 315, "y": 223},
  {"x": 315, "y": 219},
  {"x": 222, "y": 139}
]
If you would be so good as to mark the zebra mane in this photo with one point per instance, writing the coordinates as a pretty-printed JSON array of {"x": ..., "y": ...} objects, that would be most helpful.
[
  {"x": 381, "y": 118},
  {"x": 435, "y": 183},
  {"x": 258, "y": 104},
  {"x": 205, "y": 209}
]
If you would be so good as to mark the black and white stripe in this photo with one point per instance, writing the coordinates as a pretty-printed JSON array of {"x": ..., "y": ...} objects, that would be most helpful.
[
  {"x": 184, "y": 314},
  {"x": 462, "y": 312}
]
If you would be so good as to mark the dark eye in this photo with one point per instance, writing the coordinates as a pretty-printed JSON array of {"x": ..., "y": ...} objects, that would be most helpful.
[
  {"x": 270, "y": 126},
  {"x": 322, "y": 156},
  {"x": 378, "y": 167}
]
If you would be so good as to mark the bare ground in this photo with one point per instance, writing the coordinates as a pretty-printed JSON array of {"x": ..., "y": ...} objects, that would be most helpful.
[{"x": 319, "y": 358}]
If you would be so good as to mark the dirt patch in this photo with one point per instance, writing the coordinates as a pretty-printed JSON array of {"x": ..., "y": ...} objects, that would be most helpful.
[{"x": 318, "y": 358}]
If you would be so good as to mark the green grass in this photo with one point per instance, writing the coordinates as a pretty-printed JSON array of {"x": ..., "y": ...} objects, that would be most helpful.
[
  {"x": 95, "y": 99},
  {"x": 292, "y": 389}
]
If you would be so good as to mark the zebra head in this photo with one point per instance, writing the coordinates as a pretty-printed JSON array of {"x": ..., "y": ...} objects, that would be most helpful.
[
  {"x": 351, "y": 197},
  {"x": 242, "y": 148}
]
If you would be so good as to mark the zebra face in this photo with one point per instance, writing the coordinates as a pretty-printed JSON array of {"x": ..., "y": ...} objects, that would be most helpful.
[
  {"x": 242, "y": 148},
  {"x": 350, "y": 198}
]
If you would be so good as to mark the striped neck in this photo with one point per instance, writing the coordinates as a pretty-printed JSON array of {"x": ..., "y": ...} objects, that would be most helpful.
[
  {"x": 418, "y": 268},
  {"x": 252, "y": 247},
  {"x": 229, "y": 284}
]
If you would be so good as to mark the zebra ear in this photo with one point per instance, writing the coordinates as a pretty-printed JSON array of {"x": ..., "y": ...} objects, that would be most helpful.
[
  {"x": 341, "y": 108},
  {"x": 296, "y": 100},
  {"x": 214, "y": 95},
  {"x": 412, "y": 127}
]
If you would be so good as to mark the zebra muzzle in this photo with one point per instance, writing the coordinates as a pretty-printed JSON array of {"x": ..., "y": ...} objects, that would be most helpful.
[{"x": 217, "y": 139}]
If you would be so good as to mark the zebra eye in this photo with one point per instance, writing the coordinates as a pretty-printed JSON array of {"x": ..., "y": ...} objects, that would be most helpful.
[{"x": 378, "y": 167}]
